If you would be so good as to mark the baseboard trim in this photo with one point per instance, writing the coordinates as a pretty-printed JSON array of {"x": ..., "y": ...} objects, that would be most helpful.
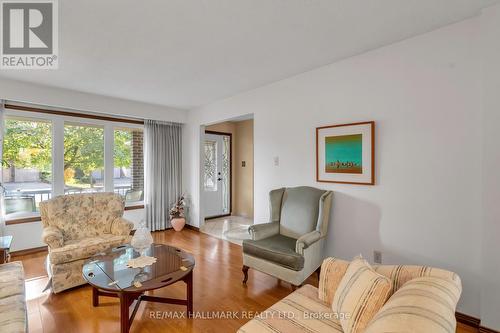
[
  {"x": 217, "y": 216},
  {"x": 28, "y": 251},
  {"x": 483, "y": 329},
  {"x": 192, "y": 227},
  {"x": 467, "y": 320},
  {"x": 473, "y": 322}
]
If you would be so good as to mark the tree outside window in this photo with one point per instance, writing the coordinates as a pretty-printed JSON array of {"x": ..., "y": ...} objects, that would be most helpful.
[{"x": 27, "y": 167}]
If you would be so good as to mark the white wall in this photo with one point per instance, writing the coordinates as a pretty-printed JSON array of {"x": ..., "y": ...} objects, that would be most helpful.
[
  {"x": 424, "y": 94},
  {"x": 25, "y": 235},
  {"x": 490, "y": 297},
  {"x": 64, "y": 98}
]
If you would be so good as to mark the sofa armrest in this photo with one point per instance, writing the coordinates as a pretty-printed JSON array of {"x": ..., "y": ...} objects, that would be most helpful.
[
  {"x": 306, "y": 240},
  {"x": 264, "y": 230},
  {"x": 121, "y": 227},
  {"x": 53, "y": 237}
]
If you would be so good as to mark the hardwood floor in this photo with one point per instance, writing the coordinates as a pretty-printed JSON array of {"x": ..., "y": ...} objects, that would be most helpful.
[{"x": 217, "y": 287}]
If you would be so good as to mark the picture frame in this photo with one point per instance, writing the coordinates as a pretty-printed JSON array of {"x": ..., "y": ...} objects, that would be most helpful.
[{"x": 345, "y": 153}]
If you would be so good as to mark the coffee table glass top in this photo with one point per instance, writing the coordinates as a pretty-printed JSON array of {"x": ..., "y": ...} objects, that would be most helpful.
[{"x": 109, "y": 270}]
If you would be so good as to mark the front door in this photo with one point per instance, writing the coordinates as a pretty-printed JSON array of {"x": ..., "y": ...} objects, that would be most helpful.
[{"x": 216, "y": 174}]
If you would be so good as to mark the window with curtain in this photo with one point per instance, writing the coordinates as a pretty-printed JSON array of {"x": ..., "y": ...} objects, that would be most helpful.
[
  {"x": 32, "y": 146},
  {"x": 27, "y": 168}
]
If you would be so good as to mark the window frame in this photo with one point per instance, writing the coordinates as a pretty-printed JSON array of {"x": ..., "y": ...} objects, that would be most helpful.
[{"x": 58, "y": 122}]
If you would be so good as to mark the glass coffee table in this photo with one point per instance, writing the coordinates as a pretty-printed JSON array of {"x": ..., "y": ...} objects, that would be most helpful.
[{"x": 109, "y": 276}]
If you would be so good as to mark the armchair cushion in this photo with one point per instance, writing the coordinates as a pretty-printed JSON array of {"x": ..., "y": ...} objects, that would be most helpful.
[
  {"x": 300, "y": 210},
  {"x": 82, "y": 215},
  {"x": 264, "y": 230},
  {"x": 278, "y": 249},
  {"x": 53, "y": 237},
  {"x": 84, "y": 248},
  {"x": 121, "y": 227},
  {"x": 275, "y": 200},
  {"x": 306, "y": 240}
]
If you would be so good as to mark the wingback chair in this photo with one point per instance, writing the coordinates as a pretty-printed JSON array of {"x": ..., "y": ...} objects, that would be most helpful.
[
  {"x": 290, "y": 246},
  {"x": 76, "y": 227}
]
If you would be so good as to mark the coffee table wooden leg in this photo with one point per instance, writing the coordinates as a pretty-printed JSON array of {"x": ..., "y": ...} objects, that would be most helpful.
[
  {"x": 124, "y": 312},
  {"x": 189, "y": 286},
  {"x": 95, "y": 296}
]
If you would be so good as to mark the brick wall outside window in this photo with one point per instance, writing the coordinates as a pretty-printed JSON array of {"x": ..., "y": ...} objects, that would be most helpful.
[{"x": 137, "y": 161}]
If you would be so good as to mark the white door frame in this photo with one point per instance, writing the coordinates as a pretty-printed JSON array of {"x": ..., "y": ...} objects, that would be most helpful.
[
  {"x": 220, "y": 134},
  {"x": 201, "y": 135}
]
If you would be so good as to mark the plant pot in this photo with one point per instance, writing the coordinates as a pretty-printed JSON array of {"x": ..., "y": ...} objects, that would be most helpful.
[{"x": 178, "y": 223}]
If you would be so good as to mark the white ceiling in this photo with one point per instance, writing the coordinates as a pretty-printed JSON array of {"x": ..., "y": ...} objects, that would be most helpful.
[{"x": 187, "y": 53}]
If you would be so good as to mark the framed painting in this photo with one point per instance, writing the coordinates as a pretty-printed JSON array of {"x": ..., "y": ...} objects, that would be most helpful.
[{"x": 346, "y": 153}]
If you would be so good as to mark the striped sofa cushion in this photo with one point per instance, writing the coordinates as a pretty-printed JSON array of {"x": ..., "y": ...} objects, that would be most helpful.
[
  {"x": 332, "y": 272},
  {"x": 360, "y": 295},
  {"x": 12, "y": 298},
  {"x": 301, "y": 311},
  {"x": 400, "y": 274},
  {"x": 426, "y": 303}
]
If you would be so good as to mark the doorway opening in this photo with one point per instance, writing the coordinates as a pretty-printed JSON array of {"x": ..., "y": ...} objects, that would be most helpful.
[
  {"x": 227, "y": 179},
  {"x": 217, "y": 174}
]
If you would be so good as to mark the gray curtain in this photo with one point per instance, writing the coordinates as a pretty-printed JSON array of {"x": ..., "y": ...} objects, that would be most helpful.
[{"x": 162, "y": 171}]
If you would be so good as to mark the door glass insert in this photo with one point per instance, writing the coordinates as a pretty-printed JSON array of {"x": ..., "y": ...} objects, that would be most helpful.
[
  {"x": 226, "y": 173},
  {"x": 210, "y": 165}
]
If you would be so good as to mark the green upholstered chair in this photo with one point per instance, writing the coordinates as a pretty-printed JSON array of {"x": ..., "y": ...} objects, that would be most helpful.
[{"x": 290, "y": 247}]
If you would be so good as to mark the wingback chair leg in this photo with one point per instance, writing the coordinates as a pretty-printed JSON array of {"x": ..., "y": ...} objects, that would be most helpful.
[{"x": 245, "y": 274}]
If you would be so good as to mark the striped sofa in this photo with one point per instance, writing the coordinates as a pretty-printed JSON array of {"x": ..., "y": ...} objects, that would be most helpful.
[
  {"x": 423, "y": 299},
  {"x": 12, "y": 298}
]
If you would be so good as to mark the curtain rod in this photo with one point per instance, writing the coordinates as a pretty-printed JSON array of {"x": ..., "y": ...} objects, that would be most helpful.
[
  {"x": 71, "y": 114},
  {"x": 162, "y": 122}
]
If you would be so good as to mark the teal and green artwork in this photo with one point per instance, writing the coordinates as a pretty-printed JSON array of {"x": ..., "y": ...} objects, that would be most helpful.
[{"x": 344, "y": 154}]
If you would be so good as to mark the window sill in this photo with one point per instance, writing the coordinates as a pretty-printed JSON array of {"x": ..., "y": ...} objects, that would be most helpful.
[
  {"x": 30, "y": 219},
  {"x": 22, "y": 220},
  {"x": 138, "y": 205}
]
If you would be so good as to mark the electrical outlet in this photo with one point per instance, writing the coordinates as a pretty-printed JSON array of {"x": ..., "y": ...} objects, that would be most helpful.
[
  {"x": 276, "y": 161},
  {"x": 377, "y": 257},
  {"x": 243, "y": 164}
]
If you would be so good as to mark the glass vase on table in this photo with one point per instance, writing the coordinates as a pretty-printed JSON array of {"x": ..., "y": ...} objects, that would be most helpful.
[{"x": 142, "y": 239}]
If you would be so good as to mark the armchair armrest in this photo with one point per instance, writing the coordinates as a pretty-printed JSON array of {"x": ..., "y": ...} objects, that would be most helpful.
[
  {"x": 121, "y": 227},
  {"x": 264, "y": 230},
  {"x": 53, "y": 237},
  {"x": 306, "y": 240}
]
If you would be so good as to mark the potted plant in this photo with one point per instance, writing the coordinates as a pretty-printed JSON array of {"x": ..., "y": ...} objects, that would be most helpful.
[{"x": 177, "y": 214}]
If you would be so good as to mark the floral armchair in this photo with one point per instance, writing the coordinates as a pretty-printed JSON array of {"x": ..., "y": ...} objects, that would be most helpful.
[{"x": 78, "y": 226}]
